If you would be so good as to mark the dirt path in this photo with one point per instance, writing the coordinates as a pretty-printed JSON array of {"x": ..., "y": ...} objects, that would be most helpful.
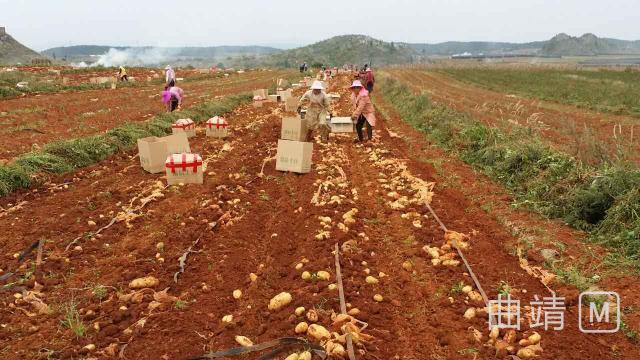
[
  {"x": 585, "y": 134},
  {"x": 267, "y": 225},
  {"x": 37, "y": 120}
]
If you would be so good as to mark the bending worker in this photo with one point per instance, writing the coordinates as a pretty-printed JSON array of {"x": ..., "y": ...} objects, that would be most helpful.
[
  {"x": 122, "y": 74},
  {"x": 172, "y": 98},
  {"x": 317, "y": 110},
  {"x": 363, "y": 111}
]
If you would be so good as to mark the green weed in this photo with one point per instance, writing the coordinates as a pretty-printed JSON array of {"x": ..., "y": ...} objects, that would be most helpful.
[
  {"x": 603, "y": 200},
  {"x": 67, "y": 155},
  {"x": 73, "y": 321}
]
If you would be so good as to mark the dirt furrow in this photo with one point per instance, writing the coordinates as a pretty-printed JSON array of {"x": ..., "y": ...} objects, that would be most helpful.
[
  {"x": 37, "y": 120},
  {"x": 568, "y": 128}
]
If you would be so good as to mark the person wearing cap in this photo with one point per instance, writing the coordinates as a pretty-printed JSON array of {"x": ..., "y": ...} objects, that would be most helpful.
[
  {"x": 170, "y": 76},
  {"x": 319, "y": 106},
  {"x": 363, "y": 111},
  {"x": 369, "y": 80}
]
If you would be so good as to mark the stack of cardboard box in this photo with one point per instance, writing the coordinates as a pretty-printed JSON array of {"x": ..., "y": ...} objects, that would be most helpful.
[
  {"x": 153, "y": 151},
  {"x": 294, "y": 153}
]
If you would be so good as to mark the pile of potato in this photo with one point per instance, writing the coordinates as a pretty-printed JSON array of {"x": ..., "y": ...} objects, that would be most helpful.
[
  {"x": 403, "y": 188},
  {"x": 334, "y": 338},
  {"x": 509, "y": 342}
]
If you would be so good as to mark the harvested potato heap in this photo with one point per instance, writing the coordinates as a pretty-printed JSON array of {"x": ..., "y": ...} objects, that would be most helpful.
[
  {"x": 403, "y": 189},
  {"x": 446, "y": 254},
  {"x": 332, "y": 338},
  {"x": 334, "y": 189}
]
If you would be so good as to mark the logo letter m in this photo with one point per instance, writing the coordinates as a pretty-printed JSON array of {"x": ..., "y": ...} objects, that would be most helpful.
[{"x": 604, "y": 312}]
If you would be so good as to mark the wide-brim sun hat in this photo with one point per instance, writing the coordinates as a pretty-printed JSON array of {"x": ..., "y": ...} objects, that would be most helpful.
[
  {"x": 317, "y": 85},
  {"x": 167, "y": 67},
  {"x": 368, "y": 69},
  {"x": 356, "y": 83}
]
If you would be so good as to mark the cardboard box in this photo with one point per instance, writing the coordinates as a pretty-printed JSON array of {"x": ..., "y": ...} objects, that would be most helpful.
[
  {"x": 341, "y": 125},
  {"x": 283, "y": 83},
  {"x": 274, "y": 98},
  {"x": 184, "y": 168},
  {"x": 186, "y": 126},
  {"x": 285, "y": 94},
  {"x": 294, "y": 128},
  {"x": 263, "y": 93},
  {"x": 153, "y": 151},
  {"x": 291, "y": 104},
  {"x": 294, "y": 156},
  {"x": 217, "y": 127}
]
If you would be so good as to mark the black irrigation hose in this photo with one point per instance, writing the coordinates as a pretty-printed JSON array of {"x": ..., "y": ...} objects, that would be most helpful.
[{"x": 281, "y": 345}]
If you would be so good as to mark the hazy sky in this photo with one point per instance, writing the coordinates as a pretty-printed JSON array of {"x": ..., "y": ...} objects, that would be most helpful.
[{"x": 41, "y": 24}]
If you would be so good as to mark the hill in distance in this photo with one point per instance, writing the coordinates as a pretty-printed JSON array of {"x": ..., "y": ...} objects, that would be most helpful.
[
  {"x": 360, "y": 49},
  {"x": 13, "y": 52},
  {"x": 588, "y": 45},
  {"x": 346, "y": 49},
  {"x": 352, "y": 49}
]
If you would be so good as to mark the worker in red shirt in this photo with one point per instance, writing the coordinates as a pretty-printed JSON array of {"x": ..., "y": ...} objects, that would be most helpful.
[{"x": 369, "y": 80}]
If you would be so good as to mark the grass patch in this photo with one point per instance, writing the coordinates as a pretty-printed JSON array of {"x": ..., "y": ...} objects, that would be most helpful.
[
  {"x": 181, "y": 304},
  {"x": 63, "y": 156},
  {"x": 603, "y": 200},
  {"x": 73, "y": 321},
  {"x": 601, "y": 90}
]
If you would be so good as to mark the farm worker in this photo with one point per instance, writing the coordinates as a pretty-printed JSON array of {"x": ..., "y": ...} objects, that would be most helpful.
[
  {"x": 170, "y": 76},
  {"x": 122, "y": 74},
  {"x": 369, "y": 80},
  {"x": 363, "y": 111},
  {"x": 319, "y": 106},
  {"x": 172, "y": 97}
]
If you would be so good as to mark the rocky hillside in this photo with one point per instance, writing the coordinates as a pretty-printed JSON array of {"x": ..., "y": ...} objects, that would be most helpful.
[
  {"x": 588, "y": 44},
  {"x": 346, "y": 49},
  {"x": 13, "y": 52}
]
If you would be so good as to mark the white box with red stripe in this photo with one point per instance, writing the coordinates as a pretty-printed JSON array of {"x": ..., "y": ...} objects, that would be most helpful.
[
  {"x": 217, "y": 127},
  {"x": 186, "y": 126},
  {"x": 184, "y": 168}
]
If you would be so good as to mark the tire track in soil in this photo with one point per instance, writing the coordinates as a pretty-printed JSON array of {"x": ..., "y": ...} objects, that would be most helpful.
[
  {"x": 73, "y": 114},
  {"x": 567, "y": 128}
]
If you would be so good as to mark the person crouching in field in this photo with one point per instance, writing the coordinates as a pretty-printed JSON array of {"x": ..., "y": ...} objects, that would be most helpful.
[
  {"x": 122, "y": 74},
  {"x": 363, "y": 111},
  {"x": 317, "y": 110},
  {"x": 172, "y": 97}
]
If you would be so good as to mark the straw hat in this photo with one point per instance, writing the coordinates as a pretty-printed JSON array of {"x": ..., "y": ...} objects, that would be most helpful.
[
  {"x": 317, "y": 85},
  {"x": 356, "y": 83}
]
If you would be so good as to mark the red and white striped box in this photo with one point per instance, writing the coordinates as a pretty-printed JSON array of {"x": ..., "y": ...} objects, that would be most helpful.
[
  {"x": 217, "y": 127},
  {"x": 258, "y": 101},
  {"x": 184, "y": 125},
  {"x": 184, "y": 168}
]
